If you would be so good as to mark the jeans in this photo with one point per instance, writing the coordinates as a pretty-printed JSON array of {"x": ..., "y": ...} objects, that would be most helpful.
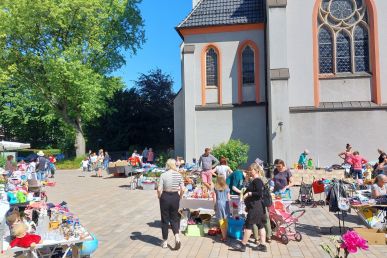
[
  {"x": 41, "y": 175},
  {"x": 358, "y": 174},
  {"x": 169, "y": 208},
  {"x": 105, "y": 164}
]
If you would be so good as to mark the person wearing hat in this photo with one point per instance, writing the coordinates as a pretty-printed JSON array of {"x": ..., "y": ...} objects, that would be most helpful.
[
  {"x": 303, "y": 160},
  {"x": 41, "y": 166}
]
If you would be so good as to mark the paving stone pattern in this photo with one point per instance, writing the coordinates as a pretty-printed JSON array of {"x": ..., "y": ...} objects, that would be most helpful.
[{"x": 127, "y": 223}]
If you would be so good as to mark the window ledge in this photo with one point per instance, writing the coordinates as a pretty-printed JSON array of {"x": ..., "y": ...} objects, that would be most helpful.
[
  {"x": 344, "y": 76},
  {"x": 211, "y": 87},
  {"x": 229, "y": 106},
  {"x": 339, "y": 106}
]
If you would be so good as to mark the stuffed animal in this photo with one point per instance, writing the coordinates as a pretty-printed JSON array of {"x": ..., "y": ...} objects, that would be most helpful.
[{"x": 22, "y": 239}]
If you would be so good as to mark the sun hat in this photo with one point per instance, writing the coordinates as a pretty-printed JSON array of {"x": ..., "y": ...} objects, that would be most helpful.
[
  {"x": 306, "y": 151},
  {"x": 41, "y": 153}
]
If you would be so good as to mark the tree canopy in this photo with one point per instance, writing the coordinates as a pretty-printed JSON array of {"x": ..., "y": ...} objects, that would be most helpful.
[
  {"x": 137, "y": 117},
  {"x": 63, "y": 53}
]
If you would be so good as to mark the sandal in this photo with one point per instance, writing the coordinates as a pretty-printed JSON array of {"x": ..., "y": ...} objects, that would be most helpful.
[{"x": 223, "y": 239}]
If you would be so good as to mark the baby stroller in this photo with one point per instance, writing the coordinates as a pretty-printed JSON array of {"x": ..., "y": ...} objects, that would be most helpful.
[
  {"x": 305, "y": 196},
  {"x": 35, "y": 187},
  {"x": 284, "y": 222}
]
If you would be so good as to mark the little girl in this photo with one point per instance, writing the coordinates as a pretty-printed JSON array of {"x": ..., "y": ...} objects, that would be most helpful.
[{"x": 221, "y": 199}]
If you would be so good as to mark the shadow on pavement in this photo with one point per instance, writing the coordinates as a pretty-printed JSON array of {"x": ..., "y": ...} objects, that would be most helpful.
[
  {"x": 154, "y": 224},
  {"x": 138, "y": 236}
]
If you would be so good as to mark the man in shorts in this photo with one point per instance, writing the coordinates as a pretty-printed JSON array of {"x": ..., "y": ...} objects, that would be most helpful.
[{"x": 208, "y": 163}]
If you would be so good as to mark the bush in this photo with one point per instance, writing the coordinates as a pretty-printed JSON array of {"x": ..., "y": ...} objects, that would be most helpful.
[
  {"x": 161, "y": 159},
  {"x": 74, "y": 163},
  {"x": 3, "y": 160},
  {"x": 235, "y": 151}
]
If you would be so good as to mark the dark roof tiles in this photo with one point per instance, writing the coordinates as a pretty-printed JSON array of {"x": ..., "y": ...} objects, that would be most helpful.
[{"x": 224, "y": 12}]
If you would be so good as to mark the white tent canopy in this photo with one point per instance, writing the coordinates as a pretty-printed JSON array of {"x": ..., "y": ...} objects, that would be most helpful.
[{"x": 12, "y": 146}]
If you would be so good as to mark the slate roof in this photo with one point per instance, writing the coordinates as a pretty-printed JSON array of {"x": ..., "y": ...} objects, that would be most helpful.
[{"x": 224, "y": 12}]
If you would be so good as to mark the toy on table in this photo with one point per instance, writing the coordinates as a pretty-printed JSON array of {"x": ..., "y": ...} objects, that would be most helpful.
[
  {"x": 12, "y": 199},
  {"x": 22, "y": 238},
  {"x": 21, "y": 197}
]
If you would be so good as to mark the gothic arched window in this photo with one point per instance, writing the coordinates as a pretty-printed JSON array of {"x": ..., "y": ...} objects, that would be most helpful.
[
  {"x": 212, "y": 67},
  {"x": 325, "y": 50},
  {"x": 344, "y": 23},
  {"x": 248, "y": 65}
]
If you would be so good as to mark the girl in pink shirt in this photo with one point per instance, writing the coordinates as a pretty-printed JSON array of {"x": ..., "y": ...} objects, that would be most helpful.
[{"x": 357, "y": 162}]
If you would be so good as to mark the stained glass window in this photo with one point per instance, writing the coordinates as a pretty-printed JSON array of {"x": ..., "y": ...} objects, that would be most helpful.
[
  {"x": 343, "y": 22},
  {"x": 361, "y": 49},
  {"x": 248, "y": 65},
  {"x": 325, "y": 51},
  {"x": 212, "y": 67},
  {"x": 343, "y": 53}
]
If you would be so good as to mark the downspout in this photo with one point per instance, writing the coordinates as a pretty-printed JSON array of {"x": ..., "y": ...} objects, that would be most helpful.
[{"x": 267, "y": 85}]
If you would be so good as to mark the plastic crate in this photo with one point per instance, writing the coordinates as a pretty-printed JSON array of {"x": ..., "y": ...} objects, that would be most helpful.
[
  {"x": 235, "y": 228},
  {"x": 195, "y": 230}
]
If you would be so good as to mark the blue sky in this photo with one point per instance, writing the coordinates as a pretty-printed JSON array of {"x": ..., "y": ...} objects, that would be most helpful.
[{"x": 161, "y": 49}]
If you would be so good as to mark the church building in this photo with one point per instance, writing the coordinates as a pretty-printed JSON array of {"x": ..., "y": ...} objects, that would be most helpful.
[{"x": 283, "y": 76}]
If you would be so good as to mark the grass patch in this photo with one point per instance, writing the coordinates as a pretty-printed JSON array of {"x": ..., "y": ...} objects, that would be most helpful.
[{"x": 74, "y": 163}]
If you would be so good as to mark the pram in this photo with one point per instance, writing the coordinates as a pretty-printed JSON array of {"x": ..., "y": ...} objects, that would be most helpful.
[
  {"x": 284, "y": 222},
  {"x": 305, "y": 196}
]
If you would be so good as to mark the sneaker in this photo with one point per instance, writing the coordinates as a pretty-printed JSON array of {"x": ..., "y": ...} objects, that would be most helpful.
[
  {"x": 177, "y": 245},
  {"x": 261, "y": 248},
  {"x": 164, "y": 244},
  {"x": 240, "y": 248}
]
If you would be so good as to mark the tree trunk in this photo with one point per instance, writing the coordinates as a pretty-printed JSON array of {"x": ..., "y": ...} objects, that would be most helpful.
[{"x": 80, "y": 143}]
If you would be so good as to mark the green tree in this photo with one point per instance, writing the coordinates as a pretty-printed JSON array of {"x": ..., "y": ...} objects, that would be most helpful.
[
  {"x": 64, "y": 52},
  {"x": 235, "y": 151},
  {"x": 138, "y": 117}
]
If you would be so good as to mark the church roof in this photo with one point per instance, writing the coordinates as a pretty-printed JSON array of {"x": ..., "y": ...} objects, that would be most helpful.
[{"x": 224, "y": 12}]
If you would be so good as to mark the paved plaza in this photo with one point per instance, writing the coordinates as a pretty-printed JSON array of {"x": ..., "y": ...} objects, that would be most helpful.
[{"x": 127, "y": 223}]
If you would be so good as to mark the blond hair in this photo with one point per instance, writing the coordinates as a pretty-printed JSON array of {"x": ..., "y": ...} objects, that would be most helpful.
[
  {"x": 171, "y": 165},
  {"x": 258, "y": 169},
  {"x": 19, "y": 229},
  {"x": 221, "y": 184}
]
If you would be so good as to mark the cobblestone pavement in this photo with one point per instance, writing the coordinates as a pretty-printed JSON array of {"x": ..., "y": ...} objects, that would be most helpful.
[{"x": 126, "y": 223}]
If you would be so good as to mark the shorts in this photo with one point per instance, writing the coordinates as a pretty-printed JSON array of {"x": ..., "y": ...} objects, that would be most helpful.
[{"x": 207, "y": 176}]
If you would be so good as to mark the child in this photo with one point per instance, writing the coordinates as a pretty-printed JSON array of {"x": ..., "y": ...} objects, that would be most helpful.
[
  {"x": 302, "y": 161},
  {"x": 85, "y": 164},
  {"x": 222, "y": 209}
]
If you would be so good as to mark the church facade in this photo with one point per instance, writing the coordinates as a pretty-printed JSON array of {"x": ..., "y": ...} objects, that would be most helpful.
[{"x": 283, "y": 76}]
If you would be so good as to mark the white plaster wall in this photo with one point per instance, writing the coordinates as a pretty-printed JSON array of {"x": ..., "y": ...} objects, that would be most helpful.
[
  {"x": 248, "y": 92},
  {"x": 178, "y": 105},
  {"x": 212, "y": 95},
  {"x": 325, "y": 134},
  {"x": 300, "y": 52},
  {"x": 228, "y": 44},
  {"x": 245, "y": 123},
  {"x": 381, "y": 6},
  {"x": 350, "y": 89}
]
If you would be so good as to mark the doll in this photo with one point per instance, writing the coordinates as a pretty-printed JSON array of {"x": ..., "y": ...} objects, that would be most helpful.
[{"x": 22, "y": 239}]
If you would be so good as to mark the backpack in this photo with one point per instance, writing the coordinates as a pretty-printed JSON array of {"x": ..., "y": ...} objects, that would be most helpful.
[{"x": 266, "y": 196}]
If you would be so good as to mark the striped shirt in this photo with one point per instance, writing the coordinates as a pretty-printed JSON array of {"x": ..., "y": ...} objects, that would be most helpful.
[{"x": 171, "y": 181}]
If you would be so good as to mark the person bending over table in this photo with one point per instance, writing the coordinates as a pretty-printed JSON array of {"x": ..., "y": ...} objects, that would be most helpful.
[
  {"x": 169, "y": 191},
  {"x": 283, "y": 178},
  {"x": 208, "y": 163},
  {"x": 235, "y": 181},
  {"x": 379, "y": 188}
]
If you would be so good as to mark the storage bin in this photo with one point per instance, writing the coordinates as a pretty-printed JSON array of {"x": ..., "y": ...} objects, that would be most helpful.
[
  {"x": 148, "y": 186},
  {"x": 235, "y": 228},
  {"x": 195, "y": 230}
]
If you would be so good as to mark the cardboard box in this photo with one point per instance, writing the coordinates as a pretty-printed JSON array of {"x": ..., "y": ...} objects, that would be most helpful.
[{"x": 372, "y": 236}]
